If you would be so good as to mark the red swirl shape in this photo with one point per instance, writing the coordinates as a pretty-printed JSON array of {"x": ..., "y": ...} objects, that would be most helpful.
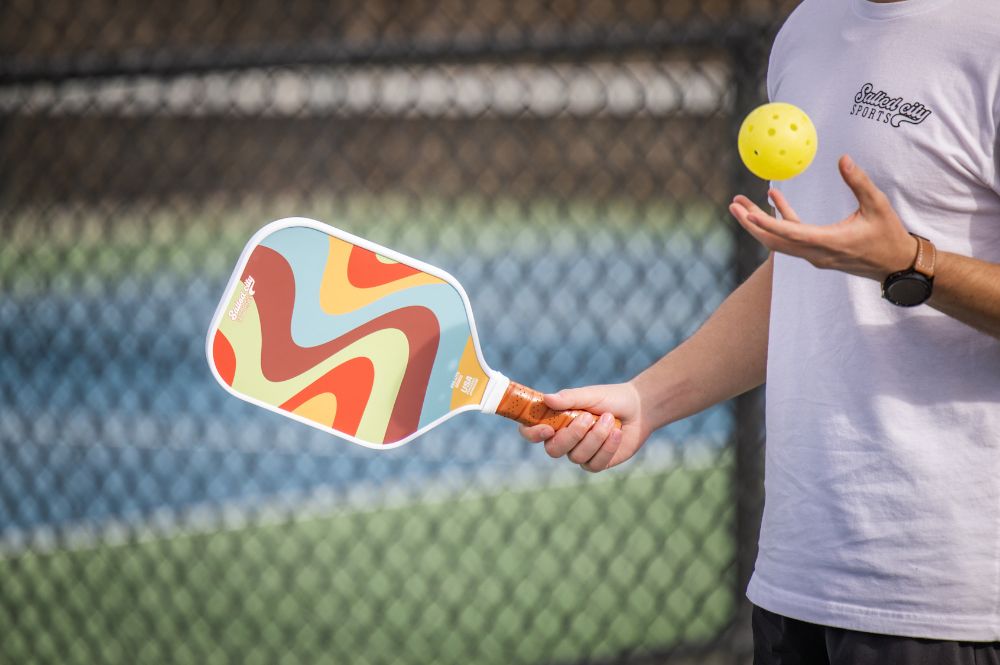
[
  {"x": 283, "y": 359},
  {"x": 351, "y": 383},
  {"x": 224, "y": 357},
  {"x": 364, "y": 270}
]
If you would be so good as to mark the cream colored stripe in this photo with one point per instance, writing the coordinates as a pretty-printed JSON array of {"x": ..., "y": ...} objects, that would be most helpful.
[
  {"x": 388, "y": 349},
  {"x": 338, "y": 296}
]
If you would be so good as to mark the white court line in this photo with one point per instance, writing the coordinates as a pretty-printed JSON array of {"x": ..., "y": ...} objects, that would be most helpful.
[{"x": 643, "y": 88}]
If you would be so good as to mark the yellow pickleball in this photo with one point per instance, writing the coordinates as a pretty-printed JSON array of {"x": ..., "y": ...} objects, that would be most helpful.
[{"x": 777, "y": 141}]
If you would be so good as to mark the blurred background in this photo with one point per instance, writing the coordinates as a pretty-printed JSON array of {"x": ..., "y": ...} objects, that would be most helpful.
[{"x": 584, "y": 147}]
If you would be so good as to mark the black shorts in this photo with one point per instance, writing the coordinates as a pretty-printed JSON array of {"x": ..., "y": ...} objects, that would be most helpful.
[{"x": 778, "y": 640}]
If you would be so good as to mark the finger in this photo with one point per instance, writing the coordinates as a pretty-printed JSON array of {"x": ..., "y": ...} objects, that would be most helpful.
[
  {"x": 536, "y": 433},
  {"x": 868, "y": 195},
  {"x": 602, "y": 458},
  {"x": 791, "y": 231},
  {"x": 769, "y": 240},
  {"x": 739, "y": 211},
  {"x": 789, "y": 238},
  {"x": 566, "y": 439},
  {"x": 781, "y": 203},
  {"x": 589, "y": 398},
  {"x": 746, "y": 203},
  {"x": 623, "y": 454},
  {"x": 592, "y": 440}
]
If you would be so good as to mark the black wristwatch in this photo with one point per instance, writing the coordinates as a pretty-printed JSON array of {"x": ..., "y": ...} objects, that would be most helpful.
[{"x": 913, "y": 286}]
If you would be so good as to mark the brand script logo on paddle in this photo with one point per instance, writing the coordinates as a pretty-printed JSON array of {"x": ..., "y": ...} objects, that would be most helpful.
[
  {"x": 241, "y": 302},
  {"x": 880, "y": 106}
]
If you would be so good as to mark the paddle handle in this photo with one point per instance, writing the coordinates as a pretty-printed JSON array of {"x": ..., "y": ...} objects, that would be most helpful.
[{"x": 527, "y": 407}]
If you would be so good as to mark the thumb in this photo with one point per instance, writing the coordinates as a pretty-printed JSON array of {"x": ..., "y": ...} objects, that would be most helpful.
[
  {"x": 868, "y": 195},
  {"x": 588, "y": 398}
]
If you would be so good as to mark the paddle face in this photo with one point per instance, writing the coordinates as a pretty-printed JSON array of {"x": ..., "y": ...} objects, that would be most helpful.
[{"x": 344, "y": 335}]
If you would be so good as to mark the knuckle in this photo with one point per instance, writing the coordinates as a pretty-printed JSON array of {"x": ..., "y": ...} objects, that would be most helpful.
[
  {"x": 567, "y": 438},
  {"x": 819, "y": 262},
  {"x": 823, "y": 262},
  {"x": 582, "y": 424},
  {"x": 832, "y": 262}
]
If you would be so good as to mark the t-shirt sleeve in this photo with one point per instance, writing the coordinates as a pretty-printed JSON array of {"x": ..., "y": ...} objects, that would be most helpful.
[
  {"x": 996, "y": 145},
  {"x": 772, "y": 73},
  {"x": 776, "y": 60}
]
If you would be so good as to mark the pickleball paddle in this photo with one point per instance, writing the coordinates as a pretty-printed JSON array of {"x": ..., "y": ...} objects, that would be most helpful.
[{"x": 356, "y": 339}]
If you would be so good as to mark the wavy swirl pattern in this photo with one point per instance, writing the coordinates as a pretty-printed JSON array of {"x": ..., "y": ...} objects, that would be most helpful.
[{"x": 346, "y": 338}]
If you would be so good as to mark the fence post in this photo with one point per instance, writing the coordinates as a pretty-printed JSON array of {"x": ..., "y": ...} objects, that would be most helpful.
[{"x": 748, "y": 56}]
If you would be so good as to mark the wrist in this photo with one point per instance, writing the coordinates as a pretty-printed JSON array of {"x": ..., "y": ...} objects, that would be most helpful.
[
  {"x": 902, "y": 258},
  {"x": 659, "y": 399},
  {"x": 913, "y": 285}
]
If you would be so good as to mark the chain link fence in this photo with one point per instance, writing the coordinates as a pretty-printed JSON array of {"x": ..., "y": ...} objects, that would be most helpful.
[{"x": 584, "y": 147}]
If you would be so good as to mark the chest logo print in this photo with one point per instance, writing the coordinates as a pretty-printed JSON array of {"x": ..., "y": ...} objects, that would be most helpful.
[{"x": 880, "y": 106}]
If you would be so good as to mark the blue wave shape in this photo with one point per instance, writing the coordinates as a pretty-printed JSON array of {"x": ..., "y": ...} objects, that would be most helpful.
[{"x": 307, "y": 250}]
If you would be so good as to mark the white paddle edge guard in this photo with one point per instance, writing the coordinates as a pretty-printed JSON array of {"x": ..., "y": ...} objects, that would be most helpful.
[
  {"x": 495, "y": 387},
  {"x": 494, "y": 392}
]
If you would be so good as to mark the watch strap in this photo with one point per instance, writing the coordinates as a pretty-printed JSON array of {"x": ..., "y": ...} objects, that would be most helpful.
[
  {"x": 926, "y": 257},
  {"x": 913, "y": 286}
]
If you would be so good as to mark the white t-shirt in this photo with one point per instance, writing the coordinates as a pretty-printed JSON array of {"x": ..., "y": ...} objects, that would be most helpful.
[{"x": 882, "y": 509}]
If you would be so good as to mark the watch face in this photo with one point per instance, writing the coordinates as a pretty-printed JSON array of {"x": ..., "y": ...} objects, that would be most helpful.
[{"x": 908, "y": 290}]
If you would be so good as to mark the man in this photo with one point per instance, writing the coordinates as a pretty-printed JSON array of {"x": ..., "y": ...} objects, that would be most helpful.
[{"x": 880, "y": 541}]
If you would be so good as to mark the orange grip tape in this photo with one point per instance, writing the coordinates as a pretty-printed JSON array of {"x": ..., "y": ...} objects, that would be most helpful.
[{"x": 527, "y": 407}]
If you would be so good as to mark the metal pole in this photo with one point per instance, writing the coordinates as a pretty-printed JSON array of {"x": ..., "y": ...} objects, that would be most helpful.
[{"x": 748, "y": 59}]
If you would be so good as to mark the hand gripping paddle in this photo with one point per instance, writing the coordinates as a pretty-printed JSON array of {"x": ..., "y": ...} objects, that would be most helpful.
[{"x": 356, "y": 339}]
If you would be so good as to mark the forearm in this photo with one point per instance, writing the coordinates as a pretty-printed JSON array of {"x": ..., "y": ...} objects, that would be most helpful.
[
  {"x": 968, "y": 289},
  {"x": 727, "y": 356}
]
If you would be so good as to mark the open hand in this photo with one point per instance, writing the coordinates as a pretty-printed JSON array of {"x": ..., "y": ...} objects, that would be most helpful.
[{"x": 870, "y": 242}]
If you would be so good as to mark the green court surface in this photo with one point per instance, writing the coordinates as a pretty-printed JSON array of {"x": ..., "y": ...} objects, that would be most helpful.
[
  {"x": 81, "y": 248},
  {"x": 616, "y": 562}
]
